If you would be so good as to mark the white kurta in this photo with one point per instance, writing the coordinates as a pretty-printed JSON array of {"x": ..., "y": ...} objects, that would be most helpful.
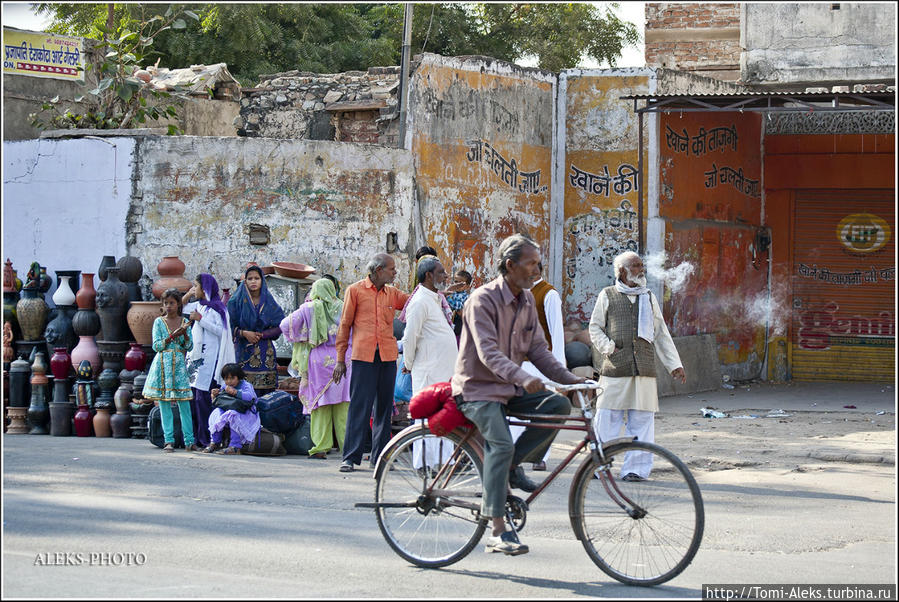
[
  {"x": 212, "y": 344},
  {"x": 632, "y": 392},
  {"x": 429, "y": 343}
]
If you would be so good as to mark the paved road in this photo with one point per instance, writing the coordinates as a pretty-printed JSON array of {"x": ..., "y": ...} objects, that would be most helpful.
[{"x": 212, "y": 526}]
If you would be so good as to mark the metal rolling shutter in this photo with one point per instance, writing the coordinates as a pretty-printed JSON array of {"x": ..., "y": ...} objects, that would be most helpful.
[{"x": 844, "y": 286}]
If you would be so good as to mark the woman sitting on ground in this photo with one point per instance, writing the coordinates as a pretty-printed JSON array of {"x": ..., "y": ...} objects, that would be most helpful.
[{"x": 243, "y": 425}]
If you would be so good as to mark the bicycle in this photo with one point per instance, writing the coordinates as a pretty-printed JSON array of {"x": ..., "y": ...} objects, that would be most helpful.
[{"x": 638, "y": 532}]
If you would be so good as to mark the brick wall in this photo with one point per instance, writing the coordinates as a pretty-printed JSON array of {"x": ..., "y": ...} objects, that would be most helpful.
[{"x": 694, "y": 37}]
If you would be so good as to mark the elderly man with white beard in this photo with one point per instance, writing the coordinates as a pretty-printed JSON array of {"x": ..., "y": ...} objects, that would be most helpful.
[{"x": 627, "y": 327}]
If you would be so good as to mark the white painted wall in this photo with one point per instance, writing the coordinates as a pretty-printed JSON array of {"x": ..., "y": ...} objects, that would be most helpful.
[{"x": 65, "y": 202}]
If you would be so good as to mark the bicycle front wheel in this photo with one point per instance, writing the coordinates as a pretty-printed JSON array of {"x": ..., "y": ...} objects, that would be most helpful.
[
  {"x": 640, "y": 532},
  {"x": 428, "y": 498}
]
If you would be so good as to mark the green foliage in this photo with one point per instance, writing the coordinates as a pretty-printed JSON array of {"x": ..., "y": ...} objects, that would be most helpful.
[
  {"x": 123, "y": 97},
  {"x": 330, "y": 37}
]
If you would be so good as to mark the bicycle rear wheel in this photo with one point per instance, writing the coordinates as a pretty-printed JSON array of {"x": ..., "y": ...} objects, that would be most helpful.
[
  {"x": 638, "y": 532},
  {"x": 429, "y": 529}
]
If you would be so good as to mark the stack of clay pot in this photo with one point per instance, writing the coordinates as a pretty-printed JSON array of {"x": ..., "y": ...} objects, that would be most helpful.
[{"x": 86, "y": 324}]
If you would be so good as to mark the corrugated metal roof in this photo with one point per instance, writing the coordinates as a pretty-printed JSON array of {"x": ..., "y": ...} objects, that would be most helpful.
[{"x": 761, "y": 93}]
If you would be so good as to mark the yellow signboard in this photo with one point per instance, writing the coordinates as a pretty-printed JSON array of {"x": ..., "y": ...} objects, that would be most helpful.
[{"x": 43, "y": 55}]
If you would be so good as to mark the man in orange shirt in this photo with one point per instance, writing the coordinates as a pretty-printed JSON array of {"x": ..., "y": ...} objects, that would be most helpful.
[{"x": 368, "y": 310}]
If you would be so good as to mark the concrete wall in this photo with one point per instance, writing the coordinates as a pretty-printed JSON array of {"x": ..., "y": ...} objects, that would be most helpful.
[
  {"x": 824, "y": 44},
  {"x": 477, "y": 126},
  {"x": 326, "y": 204},
  {"x": 65, "y": 202}
]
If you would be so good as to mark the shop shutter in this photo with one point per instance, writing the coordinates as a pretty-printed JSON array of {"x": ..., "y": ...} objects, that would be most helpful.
[{"x": 844, "y": 286}]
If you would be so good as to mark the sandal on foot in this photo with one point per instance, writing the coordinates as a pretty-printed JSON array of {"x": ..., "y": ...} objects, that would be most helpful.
[
  {"x": 212, "y": 447},
  {"x": 169, "y": 448},
  {"x": 319, "y": 456},
  {"x": 230, "y": 451},
  {"x": 192, "y": 447}
]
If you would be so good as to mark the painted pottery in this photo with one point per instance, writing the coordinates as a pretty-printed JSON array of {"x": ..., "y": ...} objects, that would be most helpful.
[
  {"x": 19, "y": 383},
  {"x": 39, "y": 411},
  {"x": 61, "y": 414},
  {"x": 135, "y": 358},
  {"x": 9, "y": 278},
  {"x": 112, "y": 305},
  {"x": 171, "y": 275},
  {"x": 140, "y": 319},
  {"x": 10, "y": 299},
  {"x": 64, "y": 294},
  {"x": 83, "y": 421},
  {"x": 86, "y": 322},
  {"x": 113, "y": 354},
  {"x": 101, "y": 422},
  {"x": 60, "y": 363},
  {"x": 86, "y": 297},
  {"x": 31, "y": 311},
  {"x": 46, "y": 281},
  {"x": 109, "y": 382},
  {"x": 9, "y": 354},
  {"x": 107, "y": 262},
  {"x": 74, "y": 278},
  {"x": 59, "y": 331}
]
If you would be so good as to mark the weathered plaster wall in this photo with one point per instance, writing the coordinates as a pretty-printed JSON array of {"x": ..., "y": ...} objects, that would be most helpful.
[
  {"x": 65, "y": 202},
  {"x": 327, "y": 204},
  {"x": 818, "y": 43},
  {"x": 481, "y": 136}
]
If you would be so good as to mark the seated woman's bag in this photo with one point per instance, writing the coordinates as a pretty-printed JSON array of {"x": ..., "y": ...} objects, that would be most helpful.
[{"x": 226, "y": 402}]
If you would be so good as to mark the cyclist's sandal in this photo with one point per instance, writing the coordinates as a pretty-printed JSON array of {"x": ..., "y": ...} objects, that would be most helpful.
[{"x": 507, "y": 542}]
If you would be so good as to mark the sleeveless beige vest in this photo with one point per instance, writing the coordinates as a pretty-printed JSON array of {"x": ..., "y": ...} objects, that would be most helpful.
[{"x": 633, "y": 356}]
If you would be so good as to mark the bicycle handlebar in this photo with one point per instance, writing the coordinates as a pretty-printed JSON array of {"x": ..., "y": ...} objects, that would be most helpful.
[{"x": 590, "y": 385}]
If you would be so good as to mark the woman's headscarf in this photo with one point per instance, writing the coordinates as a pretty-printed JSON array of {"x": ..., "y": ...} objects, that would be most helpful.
[
  {"x": 211, "y": 292},
  {"x": 326, "y": 310},
  {"x": 244, "y": 315}
]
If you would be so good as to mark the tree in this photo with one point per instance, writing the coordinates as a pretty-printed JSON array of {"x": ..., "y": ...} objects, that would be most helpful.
[{"x": 331, "y": 37}]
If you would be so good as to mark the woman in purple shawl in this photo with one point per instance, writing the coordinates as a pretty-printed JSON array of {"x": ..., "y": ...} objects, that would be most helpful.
[{"x": 256, "y": 323}]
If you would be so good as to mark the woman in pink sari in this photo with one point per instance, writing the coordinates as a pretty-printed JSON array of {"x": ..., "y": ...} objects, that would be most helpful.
[{"x": 313, "y": 331}]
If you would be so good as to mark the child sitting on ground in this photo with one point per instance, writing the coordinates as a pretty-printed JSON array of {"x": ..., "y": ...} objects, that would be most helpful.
[{"x": 243, "y": 425}]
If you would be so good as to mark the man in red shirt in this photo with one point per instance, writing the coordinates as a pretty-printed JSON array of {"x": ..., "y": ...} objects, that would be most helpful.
[{"x": 368, "y": 310}]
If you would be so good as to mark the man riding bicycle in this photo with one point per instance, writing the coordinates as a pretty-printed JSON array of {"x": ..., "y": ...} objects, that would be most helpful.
[{"x": 500, "y": 330}]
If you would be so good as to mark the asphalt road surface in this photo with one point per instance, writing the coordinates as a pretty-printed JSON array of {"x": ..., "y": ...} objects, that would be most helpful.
[{"x": 87, "y": 517}]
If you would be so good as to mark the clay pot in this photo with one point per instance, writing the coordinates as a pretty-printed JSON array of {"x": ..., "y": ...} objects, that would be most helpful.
[
  {"x": 83, "y": 421},
  {"x": 101, "y": 423},
  {"x": 74, "y": 278},
  {"x": 19, "y": 383},
  {"x": 9, "y": 278},
  {"x": 86, "y": 297},
  {"x": 86, "y": 322},
  {"x": 112, "y": 305},
  {"x": 59, "y": 331},
  {"x": 60, "y": 363},
  {"x": 171, "y": 272},
  {"x": 135, "y": 358},
  {"x": 39, "y": 411},
  {"x": 64, "y": 294},
  {"x": 86, "y": 350},
  {"x": 140, "y": 319},
  {"x": 31, "y": 311},
  {"x": 61, "y": 414},
  {"x": 107, "y": 262},
  {"x": 109, "y": 382},
  {"x": 130, "y": 269},
  {"x": 120, "y": 425},
  {"x": 46, "y": 281}
]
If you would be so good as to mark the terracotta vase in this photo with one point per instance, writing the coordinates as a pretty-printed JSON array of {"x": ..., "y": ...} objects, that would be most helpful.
[
  {"x": 140, "y": 318},
  {"x": 86, "y": 297},
  {"x": 86, "y": 350},
  {"x": 60, "y": 363},
  {"x": 112, "y": 305},
  {"x": 39, "y": 411},
  {"x": 101, "y": 423},
  {"x": 64, "y": 294},
  {"x": 31, "y": 311},
  {"x": 135, "y": 358},
  {"x": 171, "y": 275},
  {"x": 107, "y": 262},
  {"x": 83, "y": 421}
]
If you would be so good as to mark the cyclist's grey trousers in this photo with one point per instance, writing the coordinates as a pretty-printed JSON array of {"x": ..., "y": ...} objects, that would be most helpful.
[{"x": 500, "y": 453}]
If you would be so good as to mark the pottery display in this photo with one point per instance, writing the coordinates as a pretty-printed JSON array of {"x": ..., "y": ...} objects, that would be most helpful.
[
  {"x": 61, "y": 414},
  {"x": 46, "y": 282},
  {"x": 109, "y": 382},
  {"x": 130, "y": 271},
  {"x": 107, "y": 262},
  {"x": 10, "y": 298},
  {"x": 113, "y": 354},
  {"x": 140, "y": 318},
  {"x": 19, "y": 383},
  {"x": 39, "y": 411},
  {"x": 120, "y": 422},
  {"x": 64, "y": 294},
  {"x": 59, "y": 330},
  {"x": 135, "y": 358},
  {"x": 9, "y": 353},
  {"x": 60, "y": 363},
  {"x": 31, "y": 311},
  {"x": 83, "y": 421},
  {"x": 171, "y": 275},
  {"x": 292, "y": 270},
  {"x": 101, "y": 422},
  {"x": 86, "y": 297},
  {"x": 112, "y": 305}
]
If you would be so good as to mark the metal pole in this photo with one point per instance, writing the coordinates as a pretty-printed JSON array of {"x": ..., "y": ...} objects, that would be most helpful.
[
  {"x": 404, "y": 73},
  {"x": 640, "y": 245}
]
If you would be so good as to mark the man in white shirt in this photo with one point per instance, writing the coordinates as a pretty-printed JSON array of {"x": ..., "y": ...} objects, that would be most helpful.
[
  {"x": 549, "y": 314},
  {"x": 429, "y": 343},
  {"x": 627, "y": 327}
]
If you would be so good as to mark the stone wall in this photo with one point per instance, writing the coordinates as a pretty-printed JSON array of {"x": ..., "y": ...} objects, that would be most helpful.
[
  {"x": 702, "y": 37},
  {"x": 356, "y": 106}
]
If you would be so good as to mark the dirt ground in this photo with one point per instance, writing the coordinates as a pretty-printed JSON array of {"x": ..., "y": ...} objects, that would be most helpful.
[{"x": 797, "y": 441}]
